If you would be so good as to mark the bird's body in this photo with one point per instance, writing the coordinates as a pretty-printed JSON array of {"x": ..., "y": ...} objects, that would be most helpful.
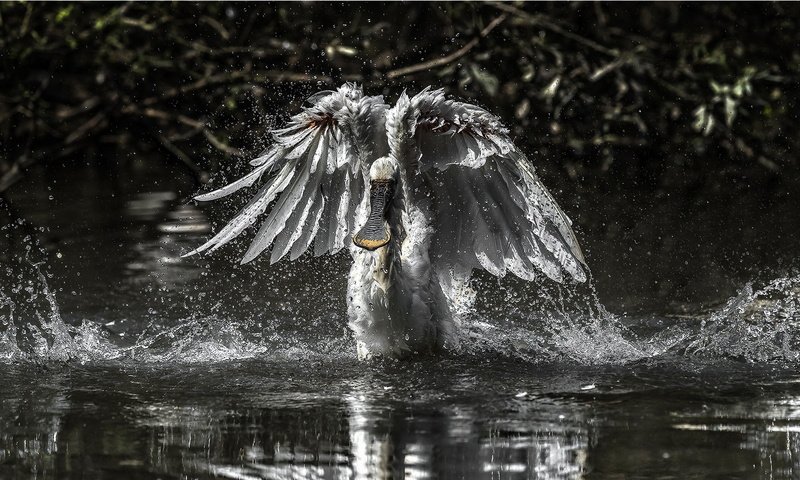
[
  {"x": 396, "y": 304},
  {"x": 422, "y": 194}
]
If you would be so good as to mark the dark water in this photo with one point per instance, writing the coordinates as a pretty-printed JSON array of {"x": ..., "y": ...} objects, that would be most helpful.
[{"x": 122, "y": 360}]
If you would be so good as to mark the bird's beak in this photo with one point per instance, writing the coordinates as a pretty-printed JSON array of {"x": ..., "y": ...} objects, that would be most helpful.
[{"x": 375, "y": 233}]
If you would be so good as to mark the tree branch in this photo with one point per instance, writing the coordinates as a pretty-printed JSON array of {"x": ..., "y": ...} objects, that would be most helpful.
[
  {"x": 543, "y": 22},
  {"x": 438, "y": 62}
]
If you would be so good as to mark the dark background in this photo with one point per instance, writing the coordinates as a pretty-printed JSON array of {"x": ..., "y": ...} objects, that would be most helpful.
[{"x": 667, "y": 131}]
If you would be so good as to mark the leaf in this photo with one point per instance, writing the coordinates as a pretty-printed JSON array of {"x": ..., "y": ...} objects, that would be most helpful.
[
  {"x": 63, "y": 13},
  {"x": 703, "y": 120},
  {"x": 486, "y": 80},
  {"x": 709, "y": 125},
  {"x": 699, "y": 118},
  {"x": 551, "y": 89},
  {"x": 528, "y": 72},
  {"x": 730, "y": 110}
]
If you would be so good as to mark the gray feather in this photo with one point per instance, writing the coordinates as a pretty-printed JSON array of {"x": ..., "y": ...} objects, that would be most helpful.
[
  {"x": 493, "y": 195},
  {"x": 322, "y": 155}
]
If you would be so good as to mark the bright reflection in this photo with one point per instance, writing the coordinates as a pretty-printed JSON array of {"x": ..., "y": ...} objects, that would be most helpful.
[
  {"x": 391, "y": 442},
  {"x": 63, "y": 427}
]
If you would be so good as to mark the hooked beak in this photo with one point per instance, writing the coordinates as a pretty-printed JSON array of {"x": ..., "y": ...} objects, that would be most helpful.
[{"x": 375, "y": 233}]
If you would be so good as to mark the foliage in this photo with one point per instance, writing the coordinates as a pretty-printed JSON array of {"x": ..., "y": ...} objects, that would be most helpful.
[{"x": 633, "y": 89}]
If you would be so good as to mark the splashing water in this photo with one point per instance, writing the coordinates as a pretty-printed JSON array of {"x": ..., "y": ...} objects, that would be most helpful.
[
  {"x": 757, "y": 326},
  {"x": 545, "y": 322},
  {"x": 198, "y": 339},
  {"x": 565, "y": 324},
  {"x": 31, "y": 327},
  {"x": 534, "y": 322}
]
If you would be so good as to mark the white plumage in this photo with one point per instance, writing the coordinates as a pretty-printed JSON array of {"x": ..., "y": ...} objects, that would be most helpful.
[{"x": 422, "y": 193}]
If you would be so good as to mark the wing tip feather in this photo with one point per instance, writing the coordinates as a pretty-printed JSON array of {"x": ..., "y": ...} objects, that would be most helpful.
[
  {"x": 206, "y": 197},
  {"x": 191, "y": 253}
]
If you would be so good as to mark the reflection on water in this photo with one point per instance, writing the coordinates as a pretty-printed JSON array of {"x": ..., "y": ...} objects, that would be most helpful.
[
  {"x": 158, "y": 257},
  {"x": 769, "y": 428},
  {"x": 456, "y": 441},
  {"x": 365, "y": 437},
  {"x": 144, "y": 423}
]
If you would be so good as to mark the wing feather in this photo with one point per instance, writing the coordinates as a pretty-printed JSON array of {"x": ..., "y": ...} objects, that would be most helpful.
[
  {"x": 320, "y": 156},
  {"x": 247, "y": 216},
  {"x": 497, "y": 215},
  {"x": 333, "y": 195},
  {"x": 297, "y": 224},
  {"x": 310, "y": 229},
  {"x": 278, "y": 225},
  {"x": 243, "y": 182}
]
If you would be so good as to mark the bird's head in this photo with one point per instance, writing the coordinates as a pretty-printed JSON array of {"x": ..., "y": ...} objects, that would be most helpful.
[{"x": 383, "y": 176}]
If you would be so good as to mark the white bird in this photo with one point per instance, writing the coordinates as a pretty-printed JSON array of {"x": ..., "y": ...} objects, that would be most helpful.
[{"x": 422, "y": 193}]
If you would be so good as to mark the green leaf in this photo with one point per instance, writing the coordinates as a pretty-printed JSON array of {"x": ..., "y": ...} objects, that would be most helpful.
[
  {"x": 703, "y": 120},
  {"x": 64, "y": 13},
  {"x": 551, "y": 89},
  {"x": 730, "y": 110}
]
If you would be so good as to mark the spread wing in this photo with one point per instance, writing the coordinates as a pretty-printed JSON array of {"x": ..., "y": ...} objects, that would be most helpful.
[
  {"x": 490, "y": 210},
  {"x": 315, "y": 177}
]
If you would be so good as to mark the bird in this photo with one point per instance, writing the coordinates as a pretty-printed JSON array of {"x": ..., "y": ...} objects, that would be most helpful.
[{"x": 421, "y": 193}]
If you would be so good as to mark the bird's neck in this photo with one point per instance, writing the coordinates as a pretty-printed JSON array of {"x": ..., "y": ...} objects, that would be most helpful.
[{"x": 387, "y": 259}]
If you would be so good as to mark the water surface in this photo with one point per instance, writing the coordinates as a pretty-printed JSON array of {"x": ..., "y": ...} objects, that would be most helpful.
[{"x": 122, "y": 360}]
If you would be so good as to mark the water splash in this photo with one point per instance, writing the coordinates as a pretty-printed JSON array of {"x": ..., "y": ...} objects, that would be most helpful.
[
  {"x": 198, "y": 339},
  {"x": 568, "y": 324},
  {"x": 564, "y": 325},
  {"x": 8, "y": 336},
  {"x": 533, "y": 322},
  {"x": 30, "y": 323},
  {"x": 545, "y": 322},
  {"x": 757, "y": 325},
  {"x": 33, "y": 330}
]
